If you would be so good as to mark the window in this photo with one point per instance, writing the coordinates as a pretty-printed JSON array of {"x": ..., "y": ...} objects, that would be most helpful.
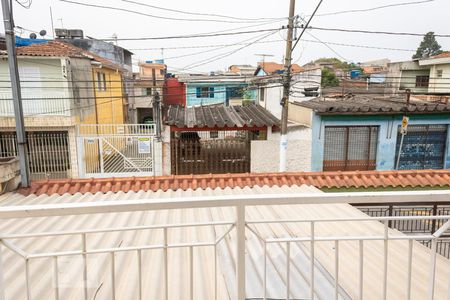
[
  {"x": 101, "y": 81},
  {"x": 261, "y": 95},
  {"x": 422, "y": 81},
  {"x": 213, "y": 134},
  {"x": 205, "y": 92},
  {"x": 148, "y": 91},
  {"x": 439, "y": 73},
  {"x": 350, "y": 148},
  {"x": 423, "y": 147}
]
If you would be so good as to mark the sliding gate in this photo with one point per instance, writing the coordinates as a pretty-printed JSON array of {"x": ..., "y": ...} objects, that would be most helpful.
[{"x": 116, "y": 150}]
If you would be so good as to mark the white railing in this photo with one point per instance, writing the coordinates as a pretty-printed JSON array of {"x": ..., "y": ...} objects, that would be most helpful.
[
  {"x": 115, "y": 129},
  {"x": 237, "y": 229},
  {"x": 36, "y": 106}
]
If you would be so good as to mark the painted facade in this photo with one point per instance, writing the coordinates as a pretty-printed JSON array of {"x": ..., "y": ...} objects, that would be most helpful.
[
  {"x": 218, "y": 91},
  {"x": 386, "y": 145},
  {"x": 109, "y": 96}
]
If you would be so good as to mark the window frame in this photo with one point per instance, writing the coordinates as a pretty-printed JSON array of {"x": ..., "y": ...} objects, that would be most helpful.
[{"x": 422, "y": 81}]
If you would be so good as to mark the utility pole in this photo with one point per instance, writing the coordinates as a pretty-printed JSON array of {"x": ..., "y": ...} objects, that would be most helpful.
[
  {"x": 286, "y": 87},
  {"x": 156, "y": 106},
  {"x": 15, "y": 87}
]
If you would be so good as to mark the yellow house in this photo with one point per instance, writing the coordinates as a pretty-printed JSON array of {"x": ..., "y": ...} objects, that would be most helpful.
[{"x": 108, "y": 92}]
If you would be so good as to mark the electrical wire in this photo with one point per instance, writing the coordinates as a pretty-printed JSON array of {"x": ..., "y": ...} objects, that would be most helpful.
[
  {"x": 153, "y": 16},
  {"x": 224, "y": 55},
  {"x": 307, "y": 24},
  {"x": 373, "y": 8},
  {"x": 374, "y": 32},
  {"x": 199, "y": 14}
]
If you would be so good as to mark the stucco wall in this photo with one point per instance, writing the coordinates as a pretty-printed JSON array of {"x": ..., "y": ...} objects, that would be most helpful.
[
  {"x": 298, "y": 156},
  {"x": 298, "y": 151},
  {"x": 191, "y": 95},
  {"x": 387, "y": 135}
]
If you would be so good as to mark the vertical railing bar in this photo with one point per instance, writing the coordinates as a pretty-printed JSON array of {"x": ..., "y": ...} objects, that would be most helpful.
[
  {"x": 361, "y": 269},
  {"x": 385, "y": 260},
  {"x": 139, "y": 259},
  {"x": 191, "y": 271},
  {"x": 55, "y": 277},
  {"x": 288, "y": 269},
  {"x": 312, "y": 262},
  {"x": 83, "y": 241},
  {"x": 2, "y": 274},
  {"x": 215, "y": 271},
  {"x": 27, "y": 278},
  {"x": 113, "y": 277},
  {"x": 409, "y": 274},
  {"x": 432, "y": 275},
  {"x": 265, "y": 271},
  {"x": 336, "y": 270},
  {"x": 166, "y": 266},
  {"x": 240, "y": 251}
]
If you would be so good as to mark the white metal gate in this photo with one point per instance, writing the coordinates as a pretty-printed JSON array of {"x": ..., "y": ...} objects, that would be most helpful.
[{"x": 116, "y": 150}]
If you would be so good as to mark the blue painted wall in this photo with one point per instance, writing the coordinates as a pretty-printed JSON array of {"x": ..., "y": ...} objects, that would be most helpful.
[
  {"x": 220, "y": 95},
  {"x": 387, "y": 135}
]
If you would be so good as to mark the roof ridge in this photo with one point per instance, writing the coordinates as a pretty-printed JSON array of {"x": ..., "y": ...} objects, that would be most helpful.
[{"x": 339, "y": 179}]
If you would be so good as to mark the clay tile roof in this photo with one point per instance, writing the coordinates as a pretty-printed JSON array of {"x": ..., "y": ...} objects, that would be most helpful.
[
  {"x": 361, "y": 179},
  {"x": 273, "y": 67},
  {"x": 219, "y": 116},
  {"x": 60, "y": 49},
  {"x": 442, "y": 55}
]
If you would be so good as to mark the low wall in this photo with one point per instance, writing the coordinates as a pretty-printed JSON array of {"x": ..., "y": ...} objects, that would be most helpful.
[{"x": 265, "y": 156}]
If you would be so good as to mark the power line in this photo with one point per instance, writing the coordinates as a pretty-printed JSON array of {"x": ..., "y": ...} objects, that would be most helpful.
[
  {"x": 374, "y": 32},
  {"x": 373, "y": 8},
  {"x": 153, "y": 16},
  {"x": 307, "y": 24},
  {"x": 223, "y": 55},
  {"x": 193, "y": 35},
  {"x": 199, "y": 14}
]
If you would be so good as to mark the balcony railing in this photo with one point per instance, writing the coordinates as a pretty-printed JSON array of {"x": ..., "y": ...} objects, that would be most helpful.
[
  {"x": 36, "y": 106},
  {"x": 239, "y": 232}
]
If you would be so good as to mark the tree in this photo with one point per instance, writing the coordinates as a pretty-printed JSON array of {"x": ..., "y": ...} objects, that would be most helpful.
[
  {"x": 428, "y": 47},
  {"x": 329, "y": 78}
]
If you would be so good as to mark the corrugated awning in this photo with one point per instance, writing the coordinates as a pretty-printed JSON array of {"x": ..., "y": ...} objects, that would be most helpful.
[{"x": 219, "y": 116}]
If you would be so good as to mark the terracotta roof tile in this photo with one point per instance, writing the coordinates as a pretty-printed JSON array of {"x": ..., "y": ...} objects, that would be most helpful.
[
  {"x": 364, "y": 179},
  {"x": 442, "y": 55},
  {"x": 60, "y": 49}
]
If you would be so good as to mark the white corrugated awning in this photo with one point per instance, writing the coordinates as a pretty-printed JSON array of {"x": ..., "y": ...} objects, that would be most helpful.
[{"x": 203, "y": 258}]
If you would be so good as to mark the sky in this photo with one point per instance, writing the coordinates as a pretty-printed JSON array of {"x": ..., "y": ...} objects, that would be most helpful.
[{"x": 235, "y": 49}]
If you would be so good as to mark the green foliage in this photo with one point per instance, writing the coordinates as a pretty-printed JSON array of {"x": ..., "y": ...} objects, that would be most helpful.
[
  {"x": 428, "y": 47},
  {"x": 329, "y": 78}
]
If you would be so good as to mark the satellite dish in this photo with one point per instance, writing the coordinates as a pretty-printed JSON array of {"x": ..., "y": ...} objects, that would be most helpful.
[
  {"x": 33, "y": 36},
  {"x": 43, "y": 32}
]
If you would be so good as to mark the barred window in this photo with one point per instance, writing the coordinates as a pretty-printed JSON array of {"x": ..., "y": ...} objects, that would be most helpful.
[{"x": 349, "y": 148}]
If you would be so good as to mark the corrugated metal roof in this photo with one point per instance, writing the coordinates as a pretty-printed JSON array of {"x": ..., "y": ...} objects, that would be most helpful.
[
  {"x": 153, "y": 282},
  {"x": 351, "y": 179},
  {"x": 362, "y": 105},
  {"x": 219, "y": 116}
]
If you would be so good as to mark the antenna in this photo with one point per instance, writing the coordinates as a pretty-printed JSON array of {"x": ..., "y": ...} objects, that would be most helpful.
[{"x": 264, "y": 57}]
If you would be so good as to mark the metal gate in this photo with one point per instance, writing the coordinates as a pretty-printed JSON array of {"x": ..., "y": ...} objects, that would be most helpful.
[
  {"x": 116, "y": 150},
  {"x": 423, "y": 147},
  {"x": 48, "y": 153},
  {"x": 216, "y": 152}
]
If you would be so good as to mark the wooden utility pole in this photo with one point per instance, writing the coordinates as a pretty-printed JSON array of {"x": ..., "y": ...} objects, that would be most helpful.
[
  {"x": 16, "y": 95},
  {"x": 286, "y": 87}
]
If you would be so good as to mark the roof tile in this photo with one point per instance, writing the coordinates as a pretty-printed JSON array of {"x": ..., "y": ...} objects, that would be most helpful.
[{"x": 362, "y": 179}]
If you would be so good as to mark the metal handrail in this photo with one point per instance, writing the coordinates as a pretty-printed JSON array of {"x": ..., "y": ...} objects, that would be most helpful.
[{"x": 239, "y": 203}]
